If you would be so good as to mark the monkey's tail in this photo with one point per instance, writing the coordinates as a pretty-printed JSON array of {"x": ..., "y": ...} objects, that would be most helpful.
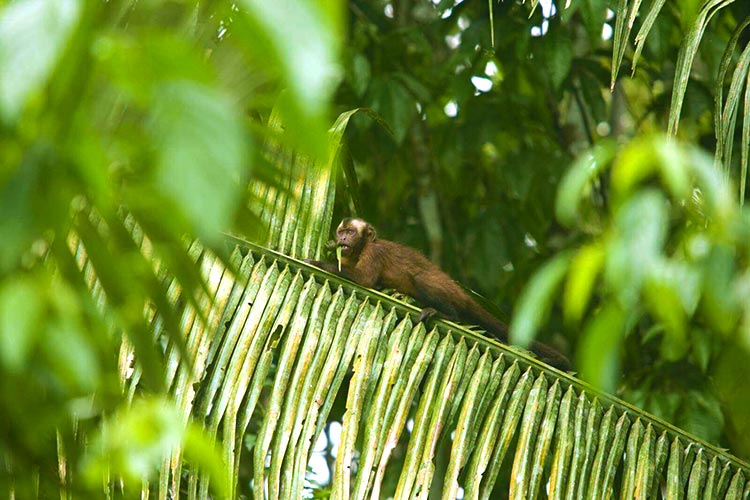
[
  {"x": 475, "y": 313},
  {"x": 499, "y": 330}
]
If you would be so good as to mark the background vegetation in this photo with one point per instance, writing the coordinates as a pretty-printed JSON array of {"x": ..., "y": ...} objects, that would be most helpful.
[
  {"x": 482, "y": 138},
  {"x": 122, "y": 117}
]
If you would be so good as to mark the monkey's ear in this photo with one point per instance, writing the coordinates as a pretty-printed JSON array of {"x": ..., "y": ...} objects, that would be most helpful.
[{"x": 370, "y": 232}]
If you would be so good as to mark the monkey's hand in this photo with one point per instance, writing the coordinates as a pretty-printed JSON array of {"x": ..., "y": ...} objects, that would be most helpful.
[{"x": 427, "y": 314}]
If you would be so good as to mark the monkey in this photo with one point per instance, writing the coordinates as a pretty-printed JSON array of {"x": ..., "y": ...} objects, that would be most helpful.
[{"x": 376, "y": 263}]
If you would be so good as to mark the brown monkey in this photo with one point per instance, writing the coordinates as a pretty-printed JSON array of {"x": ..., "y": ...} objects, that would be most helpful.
[{"x": 375, "y": 263}]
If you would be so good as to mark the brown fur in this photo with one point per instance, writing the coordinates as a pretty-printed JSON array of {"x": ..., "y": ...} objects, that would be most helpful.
[{"x": 376, "y": 263}]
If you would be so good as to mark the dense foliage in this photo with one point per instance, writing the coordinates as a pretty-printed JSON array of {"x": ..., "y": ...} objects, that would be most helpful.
[
  {"x": 121, "y": 119},
  {"x": 482, "y": 136},
  {"x": 117, "y": 120}
]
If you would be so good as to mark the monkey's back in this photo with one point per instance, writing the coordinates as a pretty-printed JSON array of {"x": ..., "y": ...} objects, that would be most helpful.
[
  {"x": 410, "y": 272},
  {"x": 386, "y": 264}
]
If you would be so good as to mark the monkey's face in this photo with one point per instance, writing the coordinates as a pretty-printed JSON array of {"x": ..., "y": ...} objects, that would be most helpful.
[
  {"x": 349, "y": 239},
  {"x": 352, "y": 235}
]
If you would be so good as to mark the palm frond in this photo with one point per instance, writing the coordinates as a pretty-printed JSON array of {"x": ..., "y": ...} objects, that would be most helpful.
[
  {"x": 268, "y": 344},
  {"x": 627, "y": 13},
  {"x": 640, "y": 38},
  {"x": 726, "y": 112},
  {"x": 302, "y": 201},
  {"x": 497, "y": 409}
]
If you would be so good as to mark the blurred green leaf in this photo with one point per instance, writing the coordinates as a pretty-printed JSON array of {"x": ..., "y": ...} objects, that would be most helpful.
[
  {"x": 303, "y": 38},
  {"x": 536, "y": 299},
  {"x": 700, "y": 414},
  {"x": 559, "y": 57},
  {"x": 702, "y": 348},
  {"x": 592, "y": 12},
  {"x": 575, "y": 185},
  {"x": 731, "y": 373},
  {"x": 202, "y": 154},
  {"x": 584, "y": 269},
  {"x": 640, "y": 230},
  {"x": 714, "y": 189},
  {"x": 33, "y": 35},
  {"x": 672, "y": 168},
  {"x": 645, "y": 157},
  {"x": 718, "y": 303},
  {"x": 134, "y": 443},
  {"x": 17, "y": 212},
  {"x": 71, "y": 353},
  {"x": 634, "y": 164},
  {"x": 21, "y": 311},
  {"x": 360, "y": 74},
  {"x": 671, "y": 293},
  {"x": 415, "y": 87},
  {"x": 138, "y": 64},
  {"x": 396, "y": 105},
  {"x": 598, "y": 356},
  {"x": 664, "y": 303},
  {"x": 200, "y": 451}
]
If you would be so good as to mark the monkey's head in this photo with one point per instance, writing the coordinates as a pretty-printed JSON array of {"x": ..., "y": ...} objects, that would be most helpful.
[{"x": 353, "y": 234}]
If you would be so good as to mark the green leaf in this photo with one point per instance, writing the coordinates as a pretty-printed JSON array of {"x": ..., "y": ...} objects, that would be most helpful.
[
  {"x": 663, "y": 303},
  {"x": 536, "y": 299},
  {"x": 21, "y": 310},
  {"x": 621, "y": 33},
  {"x": 645, "y": 157},
  {"x": 18, "y": 212},
  {"x": 672, "y": 291},
  {"x": 725, "y": 114},
  {"x": 648, "y": 23},
  {"x": 396, "y": 104},
  {"x": 137, "y": 64},
  {"x": 702, "y": 348},
  {"x": 202, "y": 153},
  {"x": 593, "y": 13},
  {"x": 720, "y": 205},
  {"x": 361, "y": 74},
  {"x": 559, "y": 56},
  {"x": 299, "y": 218},
  {"x": 71, "y": 353},
  {"x": 688, "y": 53},
  {"x": 700, "y": 414},
  {"x": 33, "y": 35},
  {"x": 598, "y": 352},
  {"x": 200, "y": 451},
  {"x": 574, "y": 186},
  {"x": 302, "y": 37},
  {"x": 579, "y": 286},
  {"x": 637, "y": 243},
  {"x": 134, "y": 442},
  {"x": 720, "y": 307}
]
